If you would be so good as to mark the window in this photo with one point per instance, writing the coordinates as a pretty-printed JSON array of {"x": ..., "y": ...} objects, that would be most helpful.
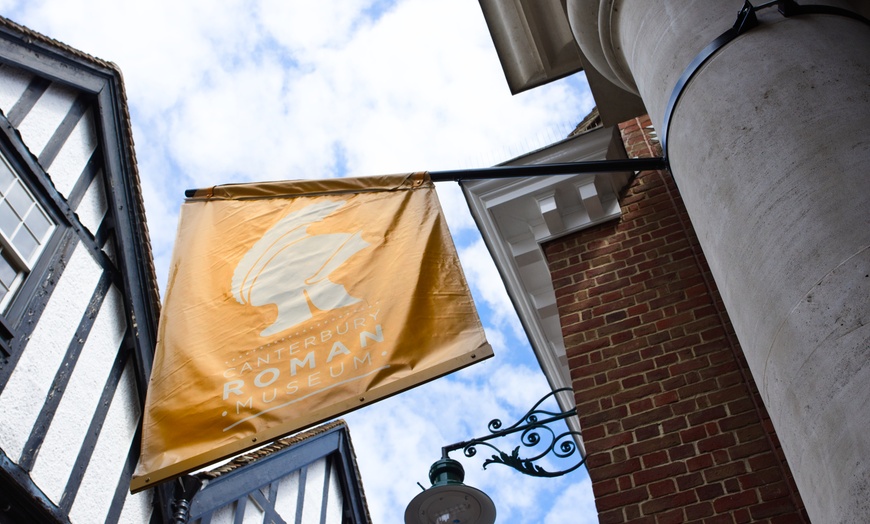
[{"x": 25, "y": 227}]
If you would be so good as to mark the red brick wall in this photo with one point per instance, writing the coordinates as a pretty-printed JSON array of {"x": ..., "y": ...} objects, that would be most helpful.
[{"x": 671, "y": 419}]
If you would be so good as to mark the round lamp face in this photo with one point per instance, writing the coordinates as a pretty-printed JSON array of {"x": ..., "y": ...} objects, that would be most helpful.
[{"x": 451, "y": 504}]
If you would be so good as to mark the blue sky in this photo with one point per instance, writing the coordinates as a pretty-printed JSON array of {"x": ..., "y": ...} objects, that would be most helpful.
[{"x": 235, "y": 91}]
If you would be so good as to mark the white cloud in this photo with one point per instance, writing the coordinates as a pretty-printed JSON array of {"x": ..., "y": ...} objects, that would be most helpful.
[
  {"x": 328, "y": 26},
  {"x": 569, "y": 508},
  {"x": 488, "y": 286}
]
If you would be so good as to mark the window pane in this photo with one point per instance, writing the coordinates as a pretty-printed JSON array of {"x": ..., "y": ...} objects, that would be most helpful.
[
  {"x": 25, "y": 243},
  {"x": 24, "y": 227},
  {"x": 6, "y": 178},
  {"x": 19, "y": 199},
  {"x": 38, "y": 223},
  {"x": 8, "y": 219},
  {"x": 7, "y": 272}
]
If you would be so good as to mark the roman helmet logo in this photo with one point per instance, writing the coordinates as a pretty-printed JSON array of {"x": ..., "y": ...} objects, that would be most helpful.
[{"x": 290, "y": 268}]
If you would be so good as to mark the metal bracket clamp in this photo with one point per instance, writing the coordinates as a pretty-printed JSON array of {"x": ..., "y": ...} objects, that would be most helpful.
[{"x": 746, "y": 20}]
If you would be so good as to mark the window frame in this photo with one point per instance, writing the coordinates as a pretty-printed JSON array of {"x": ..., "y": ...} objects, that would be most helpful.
[
  {"x": 24, "y": 299},
  {"x": 9, "y": 250}
]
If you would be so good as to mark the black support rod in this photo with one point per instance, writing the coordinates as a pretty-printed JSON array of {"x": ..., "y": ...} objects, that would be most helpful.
[{"x": 569, "y": 168}]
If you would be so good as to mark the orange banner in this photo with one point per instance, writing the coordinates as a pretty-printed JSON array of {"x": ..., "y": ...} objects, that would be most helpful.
[{"x": 291, "y": 303}]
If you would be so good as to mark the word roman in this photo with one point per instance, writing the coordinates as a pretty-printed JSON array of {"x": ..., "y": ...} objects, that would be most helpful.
[{"x": 305, "y": 364}]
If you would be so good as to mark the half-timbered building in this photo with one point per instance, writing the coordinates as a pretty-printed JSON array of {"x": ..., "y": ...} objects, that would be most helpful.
[{"x": 78, "y": 300}]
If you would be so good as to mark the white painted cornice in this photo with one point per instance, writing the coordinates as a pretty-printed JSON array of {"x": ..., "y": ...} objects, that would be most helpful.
[{"x": 516, "y": 216}]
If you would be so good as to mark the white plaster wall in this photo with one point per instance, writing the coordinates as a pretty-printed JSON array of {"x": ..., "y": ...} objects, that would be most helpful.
[
  {"x": 67, "y": 166},
  {"x": 335, "y": 501},
  {"x": 80, "y": 399},
  {"x": 225, "y": 515},
  {"x": 13, "y": 82},
  {"x": 107, "y": 463},
  {"x": 253, "y": 513},
  {"x": 44, "y": 118},
  {"x": 288, "y": 495},
  {"x": 25, "y": 393},
  {"x": 312, "y": 508},
  {"x": 137, "y": 508},
  {"x": 109, "y": 249},
  {"x": 93, "y": 206}
]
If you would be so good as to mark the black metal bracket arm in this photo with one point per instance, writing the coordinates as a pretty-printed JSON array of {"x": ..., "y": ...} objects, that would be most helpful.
[
  {"x": 568, "y": 168},
  {"x": 746, "y": 20},
  {"x": 535, "y": 422}
]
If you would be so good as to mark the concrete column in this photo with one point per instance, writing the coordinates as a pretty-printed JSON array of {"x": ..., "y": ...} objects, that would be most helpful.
[{"x": 770, "y": 149}]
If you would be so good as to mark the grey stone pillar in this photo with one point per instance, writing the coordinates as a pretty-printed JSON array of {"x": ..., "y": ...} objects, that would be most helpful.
[{"x": 770, "y": 148}]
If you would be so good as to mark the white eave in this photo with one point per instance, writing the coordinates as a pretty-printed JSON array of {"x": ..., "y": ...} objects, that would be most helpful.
[{"x": 516, "y": 216}]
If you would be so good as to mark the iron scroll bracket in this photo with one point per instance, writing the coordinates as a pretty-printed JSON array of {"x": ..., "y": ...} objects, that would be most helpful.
[
  {"x": 746, "y": 20},
  {"x": 531, "y": 426}
]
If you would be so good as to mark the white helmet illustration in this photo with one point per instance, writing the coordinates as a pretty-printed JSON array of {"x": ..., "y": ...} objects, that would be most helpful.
[{"x": 290, "y": 268}]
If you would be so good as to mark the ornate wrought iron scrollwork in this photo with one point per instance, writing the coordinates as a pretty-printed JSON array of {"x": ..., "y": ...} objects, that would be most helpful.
[{"x": 531, "y": 426}]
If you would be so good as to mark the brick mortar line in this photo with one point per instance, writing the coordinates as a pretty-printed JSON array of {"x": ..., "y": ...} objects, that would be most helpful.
[{"x": 728, "y": 338}]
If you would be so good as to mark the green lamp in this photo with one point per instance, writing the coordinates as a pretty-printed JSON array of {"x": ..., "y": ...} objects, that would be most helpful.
[{"x": 449, "y": 501}]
